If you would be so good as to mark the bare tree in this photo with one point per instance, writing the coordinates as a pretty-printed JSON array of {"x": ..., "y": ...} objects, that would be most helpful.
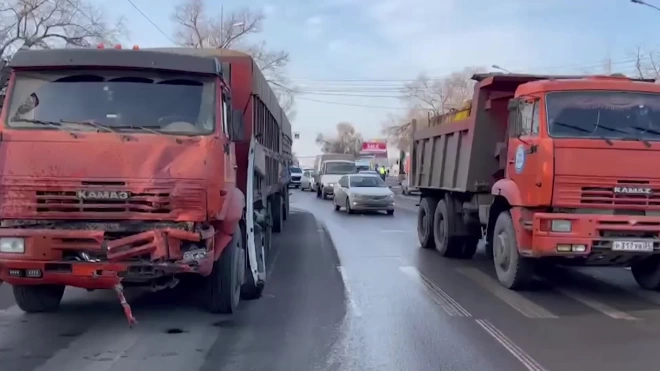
[
  {"x": 53, "y": 23},
  {"x": 398, "y": 129},
  {"x": 196, "y": 28},
  {"x": 428, "y": 96},
  {"x": 346, "y": 140}
]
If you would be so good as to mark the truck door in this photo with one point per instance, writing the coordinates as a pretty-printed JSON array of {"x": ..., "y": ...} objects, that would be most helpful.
[
  {"x": 229, "y": 151},
  {"x": 524, "y": 165}
]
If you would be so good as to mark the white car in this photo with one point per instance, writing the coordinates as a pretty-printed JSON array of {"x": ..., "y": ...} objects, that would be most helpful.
[
  {"x": 363, "y": 192},
  {"x": 307, "y": 181},
  {"x": 331, "y": 172}
]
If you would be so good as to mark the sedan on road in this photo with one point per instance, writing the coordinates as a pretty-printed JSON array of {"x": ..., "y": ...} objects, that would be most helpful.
[
  {"x": 307, "y": 181},
  {"x": 363, "y": 192}
]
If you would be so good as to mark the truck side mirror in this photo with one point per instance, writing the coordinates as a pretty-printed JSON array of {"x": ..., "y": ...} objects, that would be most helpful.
[
  {"x": 237, "y": 130},
  {"x": 513, "y": 104}
]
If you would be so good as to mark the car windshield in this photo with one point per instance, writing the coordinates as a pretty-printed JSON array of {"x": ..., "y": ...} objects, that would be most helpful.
[
  {"x": 338, "y": 168},
  {"x": 602, "y": 114},
  {"x": 296, "y": 170},
  {"x": 115, "y": 100},
  {"x": 366, "y": 181}
]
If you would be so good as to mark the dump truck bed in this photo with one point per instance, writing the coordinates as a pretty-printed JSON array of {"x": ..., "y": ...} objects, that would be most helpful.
[{"x": 465, "y": 151}]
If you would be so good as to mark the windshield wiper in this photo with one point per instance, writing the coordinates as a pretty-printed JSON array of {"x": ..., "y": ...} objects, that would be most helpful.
[
  {"x": 607, "y": 140},
  {"x": 135, "y": 127},
  {"x": 53, "y": 124},
  {"x": 88, "y": 123}
]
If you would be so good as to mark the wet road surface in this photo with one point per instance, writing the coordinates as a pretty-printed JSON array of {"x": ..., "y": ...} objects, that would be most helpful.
[{"x": 354, "y": 292}]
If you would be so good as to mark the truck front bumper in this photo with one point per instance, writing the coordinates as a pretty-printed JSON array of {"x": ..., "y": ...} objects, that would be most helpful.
[
  {"x": 602, "y": 239},
  {"x": 86, "y": 259}
]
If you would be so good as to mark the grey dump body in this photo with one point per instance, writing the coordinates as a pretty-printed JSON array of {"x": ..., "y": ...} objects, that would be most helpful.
[{"x": 469, "y": 155}]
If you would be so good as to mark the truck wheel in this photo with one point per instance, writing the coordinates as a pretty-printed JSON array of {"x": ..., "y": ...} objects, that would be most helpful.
[
  {"x": 444, "y": 220},
  {"x": 222, "y": 288},
  {"x": 251, "y": 290},
  {"x": 425, "y": 222},
  {"x": 277, "y": 213},
  {"x": 513, "y": 271},
  {"x": 38, "y": 298},
  {"x": 647, "y": 273}
]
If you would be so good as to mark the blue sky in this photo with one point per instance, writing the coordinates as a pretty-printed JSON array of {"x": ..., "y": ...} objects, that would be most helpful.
[{"x": 385, "y": 42}]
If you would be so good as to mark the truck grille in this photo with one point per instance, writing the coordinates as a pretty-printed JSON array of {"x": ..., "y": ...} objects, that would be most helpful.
[
  {"x": 68, "y": 201},
  {"x": 577, "y": 191},
  {"x": 75, "y": 199}
]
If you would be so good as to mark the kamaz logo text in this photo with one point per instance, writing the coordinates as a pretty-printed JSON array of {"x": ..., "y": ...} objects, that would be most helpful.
[
  {"x": 103, "y": 195},
  {"x": 632, "y": 190}
]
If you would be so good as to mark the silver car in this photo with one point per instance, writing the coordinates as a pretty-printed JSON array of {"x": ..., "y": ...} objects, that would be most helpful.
[
  {"x": 363, "y": 192},
  {"x": 307, "y": 181}
]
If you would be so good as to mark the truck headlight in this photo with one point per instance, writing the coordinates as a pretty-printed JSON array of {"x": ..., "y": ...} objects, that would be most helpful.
[
  {"x": 14, "y": 245},
  {"x": 561, "y": 225}
]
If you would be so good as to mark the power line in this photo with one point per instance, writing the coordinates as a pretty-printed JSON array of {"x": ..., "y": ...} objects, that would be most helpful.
[
  {"x": 150, "y": 21},
  {"x": 356, "y": 105}
]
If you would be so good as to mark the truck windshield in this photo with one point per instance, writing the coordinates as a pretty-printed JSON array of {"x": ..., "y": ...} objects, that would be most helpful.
[
  {"x": 604, "y": 114},
  {"x": 338, "y": 168},
  {"x": 116, "y": 100},
  {"x": 295, "y": 170}
]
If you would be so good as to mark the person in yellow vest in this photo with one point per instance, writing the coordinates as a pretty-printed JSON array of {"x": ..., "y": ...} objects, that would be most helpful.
[{"x": 381, "y": 171}]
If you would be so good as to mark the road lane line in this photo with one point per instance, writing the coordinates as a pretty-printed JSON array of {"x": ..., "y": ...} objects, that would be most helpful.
[
  {"x": 595, "y": 304},
  {"x": 349, "y": 293},
  {"x": 444, "y": 300},
  {"x": 518, "y": 302},
  {"x": 522, "y": 356}
]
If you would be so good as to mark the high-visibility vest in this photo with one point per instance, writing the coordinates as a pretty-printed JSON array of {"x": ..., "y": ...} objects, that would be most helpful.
[{"x": 381, "y": 170}]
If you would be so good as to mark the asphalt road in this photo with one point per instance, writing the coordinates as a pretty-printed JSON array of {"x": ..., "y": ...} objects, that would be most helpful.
[{"x": 354, "y": 292}]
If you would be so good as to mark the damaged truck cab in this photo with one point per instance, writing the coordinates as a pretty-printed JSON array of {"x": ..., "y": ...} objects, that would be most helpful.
[
  {"x": 554, "y": 169},
  {"x": 130, "y": 168}
]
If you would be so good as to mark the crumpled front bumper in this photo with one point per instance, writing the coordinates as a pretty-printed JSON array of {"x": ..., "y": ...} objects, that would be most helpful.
[{"x": 141, "y": 256}]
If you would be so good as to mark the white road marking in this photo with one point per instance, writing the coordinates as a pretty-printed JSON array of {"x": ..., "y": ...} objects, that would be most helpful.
[
  {"x": 349, "y": 293},
  {"x": 513, "y": 299},
  {"x": 524, "y": 358},
  {"x": 595, "y": 304},
  {"x": 444, "y": 300}
]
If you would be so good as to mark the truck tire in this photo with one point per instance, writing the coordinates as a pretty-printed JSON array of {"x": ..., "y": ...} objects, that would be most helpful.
[
  {"x": 513, "y": 270},
  {"x": 38, "y": 298},
  {"x": 277, "y": 213},
  {"x": 425, "y": 214},
  {"x": 222, "y": 288},
  {"x": 251, "y": 290},
  {"x": 444, "y": 226},
  {"x": 647, "y": 272}
]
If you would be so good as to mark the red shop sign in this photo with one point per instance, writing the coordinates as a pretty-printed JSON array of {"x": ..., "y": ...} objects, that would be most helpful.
[{"x": 374, "y": 147}]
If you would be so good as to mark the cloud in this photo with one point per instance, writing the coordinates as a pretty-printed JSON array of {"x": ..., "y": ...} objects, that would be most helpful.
[
  {"x": 314, "y": 27},
  {"x": 269, "y": 9},
  {"x": 445, "y": 35}
]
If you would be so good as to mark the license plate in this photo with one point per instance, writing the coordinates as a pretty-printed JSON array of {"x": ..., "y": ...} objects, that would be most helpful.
[{"x": 644, "y": 246}]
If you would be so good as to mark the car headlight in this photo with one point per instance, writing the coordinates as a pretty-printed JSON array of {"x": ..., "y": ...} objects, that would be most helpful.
[
  {"x": 331, "y": 184},
  {"x": 390, "y": 196},
  {"x": 14, "y": 245},
  {"x": 561, "y": 225}
]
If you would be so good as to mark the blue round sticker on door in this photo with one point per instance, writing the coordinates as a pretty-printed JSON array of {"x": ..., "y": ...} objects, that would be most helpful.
[{"x": 520, "y": 158}]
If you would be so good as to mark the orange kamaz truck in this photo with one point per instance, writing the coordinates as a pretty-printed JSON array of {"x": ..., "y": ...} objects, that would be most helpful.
[
  {"x": 552, "y": 169},
  {"x": 139, "y": 168}
]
